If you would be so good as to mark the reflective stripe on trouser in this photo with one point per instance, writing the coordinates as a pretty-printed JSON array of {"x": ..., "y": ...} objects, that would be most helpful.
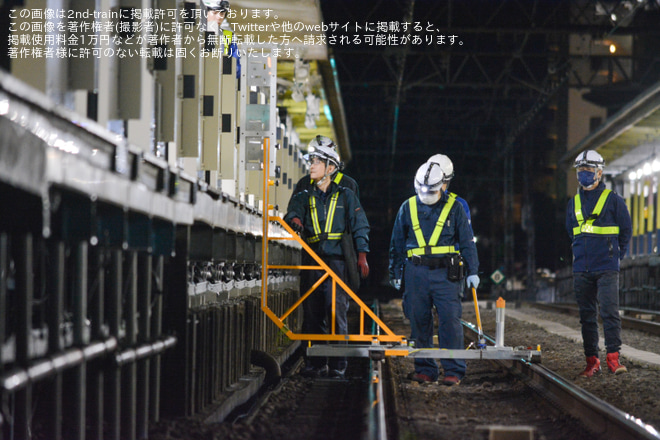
[
  {"x": 426, "y": 288},
  {"x": 317, "y": 309},
  {"x": 594, "y": 289}
]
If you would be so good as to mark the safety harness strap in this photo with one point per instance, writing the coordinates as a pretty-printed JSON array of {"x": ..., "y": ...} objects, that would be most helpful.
[
  {"x": 326, "y": 234},
  {"x": 227, "y": 37},
  {"x": 441, "y": 220},
  {"x": 588, "y": 227},
  {"x": 431, "y": 248}
]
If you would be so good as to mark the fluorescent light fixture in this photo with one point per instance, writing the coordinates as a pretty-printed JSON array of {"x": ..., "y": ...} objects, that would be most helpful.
[{"x": 647, "y": 169}]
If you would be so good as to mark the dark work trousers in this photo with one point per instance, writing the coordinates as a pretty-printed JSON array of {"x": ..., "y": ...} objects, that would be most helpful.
[
  {"x": 426, "y": 288},
  {"x": 317, "y": 308},
  {"x": 591, "y": 290}
]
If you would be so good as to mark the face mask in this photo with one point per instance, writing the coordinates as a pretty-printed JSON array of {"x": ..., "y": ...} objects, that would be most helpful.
[
  {"x": 429, "y": 198},
  {"x": 586, "y": 178}
]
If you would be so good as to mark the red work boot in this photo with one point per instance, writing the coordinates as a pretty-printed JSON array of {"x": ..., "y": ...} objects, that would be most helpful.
[
  {"x": 450, "y": 381},
  {"x": 420, "y": 377},
  {"x": 614, "y": 365},
  {"x": 593, "y": 366}
]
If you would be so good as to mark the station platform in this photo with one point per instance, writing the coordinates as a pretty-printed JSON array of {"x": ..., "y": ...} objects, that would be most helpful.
[{"x": 631, "y": 353}]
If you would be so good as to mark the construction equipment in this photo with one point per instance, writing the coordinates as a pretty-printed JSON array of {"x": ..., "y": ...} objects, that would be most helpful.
[{"x": 383, "y": 342}]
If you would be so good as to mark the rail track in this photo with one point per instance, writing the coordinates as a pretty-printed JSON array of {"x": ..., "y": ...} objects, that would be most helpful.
[
  {"x": 375, "y": 394},
  {"x": 599, "y": 417},
  {"x": 375, "y": 401},
  {"x": 495, "y": 397}
]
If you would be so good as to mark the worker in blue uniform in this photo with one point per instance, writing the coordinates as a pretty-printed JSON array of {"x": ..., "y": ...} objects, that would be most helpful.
[
  {"x": 425, "y": 264},
  {"x": 448, "y": 167},
  {"x": 341, "y": 179},
  {"x": 322, "y": 215},
  {"x": 599, "y": 226}
]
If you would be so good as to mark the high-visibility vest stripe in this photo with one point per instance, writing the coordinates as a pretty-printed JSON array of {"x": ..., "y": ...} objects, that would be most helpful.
[
  {"x": 328, "y": 221},
  {"x": 431, "y": 248},
  {"x": 227, "y": 37},
  {"x": 587, "y": 227}
]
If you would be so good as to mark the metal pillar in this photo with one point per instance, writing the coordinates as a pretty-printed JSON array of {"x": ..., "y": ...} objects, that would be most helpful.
[
  {"x": 115, "y": 281},
  {"x": 24, "y": 296},
  {"x": 96, "y": 309},
  {"x": 156, "y": 332},
  {"x": 78, "y": 374},
  {"x": 129, "y": 373},
  {"x": 144, "y": 337},
  {"x": 56, "y": 252}
]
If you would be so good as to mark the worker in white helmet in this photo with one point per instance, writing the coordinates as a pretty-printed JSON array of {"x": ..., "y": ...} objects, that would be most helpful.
[
  {"x": 599, "y": 225},
  {"x": 307, "y": 183},
  {"x": 217, "y": 25},
  {"x": 426, "y": 265},
  {"x": 339, "y": 177},
  {"x": 322, "y": 216},
  {"x": 448, "y": 167},
  {"x": 216, "y": 11}
]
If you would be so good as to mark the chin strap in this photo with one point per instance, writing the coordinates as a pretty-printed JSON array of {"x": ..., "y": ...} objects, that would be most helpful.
[{"x": 325, "y": 176}]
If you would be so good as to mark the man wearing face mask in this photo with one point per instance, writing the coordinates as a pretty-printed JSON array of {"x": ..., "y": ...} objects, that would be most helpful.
[
  {"x": 425, "y": 263},
  {"x": 599, "y": 225}
]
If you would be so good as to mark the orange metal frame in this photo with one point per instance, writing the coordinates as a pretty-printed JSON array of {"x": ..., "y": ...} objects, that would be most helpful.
[{"x": 388, "y": 336}]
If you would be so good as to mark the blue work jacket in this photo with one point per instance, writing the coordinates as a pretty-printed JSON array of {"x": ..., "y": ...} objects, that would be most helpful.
[
  {"x": 466, "y": 207},
  {"x": 348, "y": 211},
  {"x": 456, "y": 231},
  {"x": 594, "y": 252}
]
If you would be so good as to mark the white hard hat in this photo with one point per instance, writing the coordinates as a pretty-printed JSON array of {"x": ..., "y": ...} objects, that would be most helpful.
[
  {"x": 445, "y": 163},
  {"x": 589, "y": 158},
  {"x": 429, "y": 178},
  {"x": 216, "y": 5},
  {"x": 321, "y": 141},
  {"x": 326, "y": 142},
  {"x": 324, "y": 152}
]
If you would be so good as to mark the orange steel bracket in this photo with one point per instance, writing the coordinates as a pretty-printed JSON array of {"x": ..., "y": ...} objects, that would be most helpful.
[{"x": 388, "y": 336}]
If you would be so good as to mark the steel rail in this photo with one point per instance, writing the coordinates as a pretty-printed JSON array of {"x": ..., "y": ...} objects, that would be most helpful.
[
  {"x": 600, "y": 417},
  {"x": 603, "y": 419},
  {"x": 377, "y": 422}
]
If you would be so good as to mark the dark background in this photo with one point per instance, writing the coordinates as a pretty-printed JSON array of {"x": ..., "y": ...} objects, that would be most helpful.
[{"x": 495, "y": 102}]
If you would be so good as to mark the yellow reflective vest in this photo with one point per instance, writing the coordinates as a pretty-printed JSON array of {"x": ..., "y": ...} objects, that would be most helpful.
[
  {"x": 325, "y": 234},
  {"x": 587, "y": 227},
  {"x": 431, "y": 248}
]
